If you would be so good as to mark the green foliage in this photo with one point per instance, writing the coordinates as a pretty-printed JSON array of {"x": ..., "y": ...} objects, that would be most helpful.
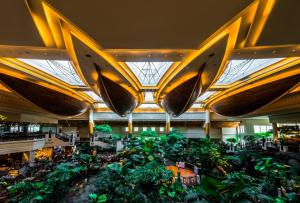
[
  {"x": 239, "y": 186},
  {"x": 231, "y": 140},
  {"x": 49, "y": 188},
  {"x": 142, "y": 176},
  {"x": 148, "y": 133},
  {"x": 116, "y": 137},
  {"x": 174, "y": 146},
  {"x": 207, "y": 154},
  {"x": 97, "y": 199},
  {"x": 105, "y": 128},
  {"x": 264, "y": 134},
  {"x": 270, "y": 168}
]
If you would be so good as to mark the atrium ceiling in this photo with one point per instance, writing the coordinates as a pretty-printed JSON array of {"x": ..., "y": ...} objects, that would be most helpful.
[{"x": 209, "y": 51}]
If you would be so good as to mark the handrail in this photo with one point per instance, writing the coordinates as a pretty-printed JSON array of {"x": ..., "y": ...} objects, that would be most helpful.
[{"x": 20, "y": 138}]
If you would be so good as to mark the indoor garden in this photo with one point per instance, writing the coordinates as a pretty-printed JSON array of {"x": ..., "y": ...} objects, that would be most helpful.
[{"x": 160, "y": 168}]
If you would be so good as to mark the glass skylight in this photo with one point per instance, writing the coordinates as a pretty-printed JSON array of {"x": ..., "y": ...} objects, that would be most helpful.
[
  {"x": 100, "y": 105},
  {"x": 149, "y": 97},
  {"x": 148, "y": 106},
  {"x": 239, "y": 69},
  {"x": 149, "y": 73},
  {"x": 93, "y": 95},
  {"x": 60, "y": 69},
  {"x": 206, "y": 95},
  {"x": 197, "y": 106}
]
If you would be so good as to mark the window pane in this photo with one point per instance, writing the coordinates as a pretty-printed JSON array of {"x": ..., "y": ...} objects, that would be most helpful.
[
  {"x": 263, "y": 128},
  {"x": 256, "y": 129},
  {"x": 149, "y": 73},
  {"x": 239, "y": 69},
  {"x": 60, "y": 69}
]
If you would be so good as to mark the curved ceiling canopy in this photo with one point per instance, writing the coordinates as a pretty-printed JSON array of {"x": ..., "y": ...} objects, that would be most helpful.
[
  {"x": 134, "y": 58},
  {"x": 287, "y": 104},
  {"x": 181, "y": 98},
  {"x": 117, "y": 98},
  {"x": 46, "y": 98},
  {"x": 248, "y": 101}
]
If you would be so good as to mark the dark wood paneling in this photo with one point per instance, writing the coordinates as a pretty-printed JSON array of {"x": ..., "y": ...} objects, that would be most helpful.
[
  {"x": 289, "y": 103},
  {"x": 85, "y": 57},
  {"x": 48, "y": 99},
  {"x": 181, "y": 98},
  {"x": 210, "y": 59},
  {"x": 251, "y": 100},
  {"x": 117, "y": 98}
]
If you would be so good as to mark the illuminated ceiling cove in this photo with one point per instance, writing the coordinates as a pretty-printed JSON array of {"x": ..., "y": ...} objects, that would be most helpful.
[
  {"x": 60, "y": 69},
  {"x": 239, "y": 69},
  {"x": 236, "y": 48},
  {"x": 149, "y": 73}
]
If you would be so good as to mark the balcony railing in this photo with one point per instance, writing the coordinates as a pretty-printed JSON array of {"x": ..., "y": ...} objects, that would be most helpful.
[{"x": 22, "y": 137}]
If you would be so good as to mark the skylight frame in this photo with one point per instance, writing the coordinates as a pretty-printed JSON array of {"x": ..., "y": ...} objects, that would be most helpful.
[
  {"x": 206, "y": 96},
  {"x": 149, "y": 73},
  {"x": 61, "y": 69},
  {"x": 93, "y": 95},
  {"x": 239, "y": 69}
]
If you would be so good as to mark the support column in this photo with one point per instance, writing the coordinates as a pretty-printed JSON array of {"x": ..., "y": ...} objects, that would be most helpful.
[
  {"x": 129, "y": 116},
  {"x": 168, "y": 123},
  {"x": 275, "y": 132},
  {"x": 31, "y": 158},
  {"x": 207, "y": 123},
  {"x": 91, "y": 122}
]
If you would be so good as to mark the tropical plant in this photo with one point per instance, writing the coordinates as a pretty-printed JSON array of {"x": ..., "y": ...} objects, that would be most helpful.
[
  {"x": 231, "y": 140},
  {"x": 175, "y": 145},
  {"x": 240, "y": 187},
  {"x": 207, "y": 154},
  {"x": 104, "y": 128},
  {"x": 148, "y": 133},
  {"x": 49, "y": 188},
  {"x": 271, "y": 171}
]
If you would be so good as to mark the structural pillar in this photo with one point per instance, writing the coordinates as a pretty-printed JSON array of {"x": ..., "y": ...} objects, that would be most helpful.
[
  {"x": 129, "y": 116},
  {"x": 207, "y": 123},
  {"x": 168, "y": 123},
  {"x": 275, "y": 132},
  {"x": 31, "y": 158},
  {"x": 91, "y": 122}
]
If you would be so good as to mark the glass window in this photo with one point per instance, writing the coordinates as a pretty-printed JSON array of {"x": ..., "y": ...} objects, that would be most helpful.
[
  {"x": 153, "y": 128},
  {"x": 161, "y": 129},
  {"x": 206, "y": 95},
  {"x": 149, "y": 97},
  {"x": 148, "y": 106},
  {"x": 136, "y": 129},
  {"x": 149, "y": 73},
  {"x": 263, "y": 128},
  {"x": 239, "y": 69},
  {"x": 256, "y": 129},
  {"x": 126, "y": 129},
  {"x": 242, "y": 129},
  {"x": 93, "y": 95},
  {"x": 144, "y": 128},
  {"x": 60, "y": 69}
]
